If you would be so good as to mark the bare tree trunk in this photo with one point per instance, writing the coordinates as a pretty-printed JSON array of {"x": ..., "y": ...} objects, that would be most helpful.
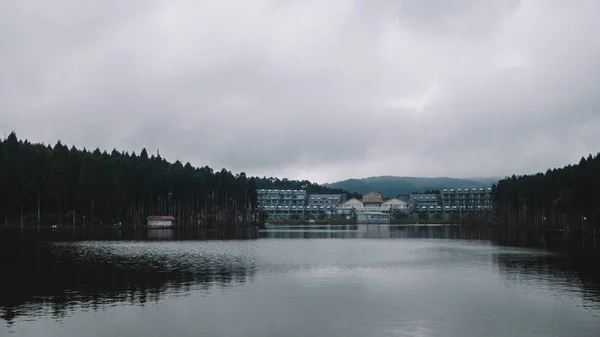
[
  {"x": 60, "y": 211},
  {"x": 92, "y": 220},
  {"x": 38, "y": 209}
]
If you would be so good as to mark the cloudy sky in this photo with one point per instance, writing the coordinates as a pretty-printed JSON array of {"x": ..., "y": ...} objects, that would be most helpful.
[{"x": 323, "y": 90}]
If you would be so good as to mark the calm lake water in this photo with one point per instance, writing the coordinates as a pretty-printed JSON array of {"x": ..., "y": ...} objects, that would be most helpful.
[{"x": 349, "y": 281}]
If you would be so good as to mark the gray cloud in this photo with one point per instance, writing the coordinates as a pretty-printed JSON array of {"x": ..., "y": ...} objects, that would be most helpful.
[{"x": 310, "y": 89}]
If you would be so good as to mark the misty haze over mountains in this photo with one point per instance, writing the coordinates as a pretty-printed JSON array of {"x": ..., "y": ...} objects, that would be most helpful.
[{"x": 391, "y": 186}]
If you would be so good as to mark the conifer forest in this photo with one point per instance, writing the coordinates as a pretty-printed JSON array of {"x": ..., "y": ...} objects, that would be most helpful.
[
  {"x": 45, "y": 185},
  {"x": 561, "y": 198}
]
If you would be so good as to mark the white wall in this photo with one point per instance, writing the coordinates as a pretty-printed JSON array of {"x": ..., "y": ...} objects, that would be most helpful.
[{"x": 160, "y": 223}]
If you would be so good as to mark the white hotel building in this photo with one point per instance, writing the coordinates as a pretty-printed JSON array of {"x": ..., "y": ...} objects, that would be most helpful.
[{"x": 372, "y": 208}]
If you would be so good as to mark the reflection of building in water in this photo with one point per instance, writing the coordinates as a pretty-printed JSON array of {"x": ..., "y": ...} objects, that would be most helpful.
[
  {"x": 379, "y": 231},
  {"x": 160, "y": 234},
  {"x": 328, "y": 231}
]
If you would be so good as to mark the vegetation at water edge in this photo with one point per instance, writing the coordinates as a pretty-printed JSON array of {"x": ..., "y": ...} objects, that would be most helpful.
[{"x": 567, "y": 198}]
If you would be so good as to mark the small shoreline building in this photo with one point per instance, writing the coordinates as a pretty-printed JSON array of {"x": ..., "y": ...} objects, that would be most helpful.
[{"x": 160, "y": 221}]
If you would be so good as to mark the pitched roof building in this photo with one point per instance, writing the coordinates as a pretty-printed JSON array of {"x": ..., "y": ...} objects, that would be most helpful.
[{"x": 372, "y": 198}]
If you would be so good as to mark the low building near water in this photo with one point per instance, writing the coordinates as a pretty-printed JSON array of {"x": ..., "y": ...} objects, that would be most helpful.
[
  {"x": 160, "y": 221},
  {"x": 372, "y": 200},
  {"x": 395, "y": 204},
  {"x": 375, "y": 217},
  {"x": 372, "y": 208}
]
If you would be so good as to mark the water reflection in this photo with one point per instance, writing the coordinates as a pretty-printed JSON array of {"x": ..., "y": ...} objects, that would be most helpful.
[
  {"x": 373, "y": 231},
  {"x": 164, "y": 234},
  {"x": 553, "y": 273},
  {"x": 456, "y": 282},
  {"x": 56, "y": 277}
]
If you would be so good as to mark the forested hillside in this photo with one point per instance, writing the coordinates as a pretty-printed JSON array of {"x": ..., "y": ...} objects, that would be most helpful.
[
  {"x": 276, "y": 183},
  {"x": 391, "y": 186},
  {"x": 88, "y": 188},
  {"x": 568, "y": 196}
]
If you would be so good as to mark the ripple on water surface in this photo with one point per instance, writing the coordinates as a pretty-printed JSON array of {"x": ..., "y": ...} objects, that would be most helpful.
[{"x": 300, "y": 287}]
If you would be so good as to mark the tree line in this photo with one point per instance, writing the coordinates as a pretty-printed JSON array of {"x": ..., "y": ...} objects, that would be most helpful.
[
  {"x": 567, "y": 197},
  {"x": 312, "y": 188},
  {"x": 43, "y": 185}
]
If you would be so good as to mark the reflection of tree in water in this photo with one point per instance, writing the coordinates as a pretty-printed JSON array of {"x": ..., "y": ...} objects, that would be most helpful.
[
  {"x": 57, "y": 278},
  {"x": 554, "y": 271}
]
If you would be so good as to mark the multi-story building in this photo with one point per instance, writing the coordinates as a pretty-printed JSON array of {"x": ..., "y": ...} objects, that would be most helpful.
[
  {"x": 326, "y": 199},
  {"x": 297, "y": 204},
  {"x": 282, "y": 204},
  {"x": 320, "y": 206},
  {"x": 420, "y": 202},
  {"x": 466, "y": 199}
]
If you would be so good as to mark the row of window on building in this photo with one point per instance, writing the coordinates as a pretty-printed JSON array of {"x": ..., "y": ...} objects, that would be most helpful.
[
  {"x": 277, "y": 203},
  {"x": 451, "y": 199}
]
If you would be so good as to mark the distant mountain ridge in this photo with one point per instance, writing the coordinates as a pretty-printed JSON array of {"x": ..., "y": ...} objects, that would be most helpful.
[{"x": 391, "y": 186}]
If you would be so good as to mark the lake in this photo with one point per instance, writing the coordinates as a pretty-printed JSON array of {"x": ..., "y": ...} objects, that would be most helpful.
[{"x": 329, "y": 281}]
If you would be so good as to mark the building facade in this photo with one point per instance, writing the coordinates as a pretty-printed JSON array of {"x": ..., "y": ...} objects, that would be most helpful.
[
  {"x": 282, "y": 204},
  {"x": 323, "y": 206},
  {"x": 372, "y": 208},
  {"x": 326, "y": 199},
  {"x": 160, "y": 221},
  {"x": 451, "y": 201},
  {"x": 395, "y": 205},
  {"x": 297, "y": 204},
  {"x": 420, "y": 202},
  {"x": 372, "y": 199},
  {"x": 466, "y": 198}
]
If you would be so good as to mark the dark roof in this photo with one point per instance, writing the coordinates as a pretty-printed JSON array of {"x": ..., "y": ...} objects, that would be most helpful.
[{"x": 160, "y": 218}]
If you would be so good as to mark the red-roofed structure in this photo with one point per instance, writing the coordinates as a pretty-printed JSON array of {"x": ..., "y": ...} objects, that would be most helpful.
[{"x": 372, "y": 199}]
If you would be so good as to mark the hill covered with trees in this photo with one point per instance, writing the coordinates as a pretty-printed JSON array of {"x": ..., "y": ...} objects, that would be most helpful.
[
  {"x": 276, "y": 183},
  {"x": 67, "y": 186},
  {"x": 562, "y": 197},
  {"x": 391, "y": 186}
]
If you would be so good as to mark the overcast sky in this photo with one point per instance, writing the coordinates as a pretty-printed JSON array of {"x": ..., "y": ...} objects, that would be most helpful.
[{"x": 322, "y": 90}]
